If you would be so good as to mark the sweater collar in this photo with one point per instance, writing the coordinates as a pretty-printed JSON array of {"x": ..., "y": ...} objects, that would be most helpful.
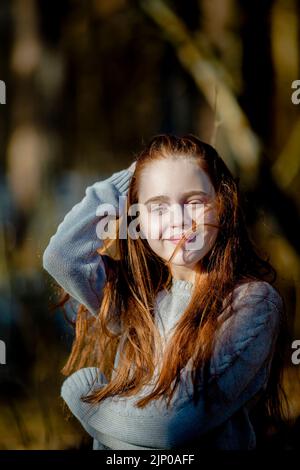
[{"x": 181, "y": 285}]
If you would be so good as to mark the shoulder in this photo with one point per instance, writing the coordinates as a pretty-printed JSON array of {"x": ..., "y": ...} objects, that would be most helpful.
[
  {"x": 258, "y": 303},
  {"x": 257, "y": 290},
  {"x": 251, "y": 326},
  {"x": 253, "y": 301}
]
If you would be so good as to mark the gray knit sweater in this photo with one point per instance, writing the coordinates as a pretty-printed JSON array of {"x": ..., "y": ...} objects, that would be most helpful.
[{"x": 241, "y": 357}]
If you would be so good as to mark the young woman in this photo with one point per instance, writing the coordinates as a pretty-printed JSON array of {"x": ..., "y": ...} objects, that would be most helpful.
[{"x": 180, "y": 333}]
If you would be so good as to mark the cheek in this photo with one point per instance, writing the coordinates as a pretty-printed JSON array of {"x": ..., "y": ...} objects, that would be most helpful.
[
  {"x": 211, "y": 231},
  {"x": 150, "y": 229},
  {"x": 151, "y": 226},
  {"x": 204, "y": 216},
  {"x": 210, "y": 217},
  {"x": 144, "y": 223},
  {"x": 207, "y": 234},
  {"x": 194, "y": 213}
]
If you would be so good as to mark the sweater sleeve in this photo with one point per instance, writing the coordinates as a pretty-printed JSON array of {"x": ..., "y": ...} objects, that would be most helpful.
[
  {"x": 239, "y": 370},
  {"x": 71, "y": 257},
  {"x": 242, "y": 354}
]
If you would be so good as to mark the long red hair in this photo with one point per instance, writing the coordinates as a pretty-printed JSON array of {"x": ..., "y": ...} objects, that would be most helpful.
[{"x": 134, "y": 276}]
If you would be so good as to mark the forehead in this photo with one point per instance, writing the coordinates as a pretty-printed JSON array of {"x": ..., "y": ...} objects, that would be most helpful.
[{"x": 171, "y": 178}]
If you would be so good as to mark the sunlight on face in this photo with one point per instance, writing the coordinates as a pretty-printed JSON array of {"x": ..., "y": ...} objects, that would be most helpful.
[{"x": 172, "y": 193}]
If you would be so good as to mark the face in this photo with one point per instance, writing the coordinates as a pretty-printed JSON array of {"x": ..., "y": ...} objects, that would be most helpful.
[{"x": 173, "y": 194}]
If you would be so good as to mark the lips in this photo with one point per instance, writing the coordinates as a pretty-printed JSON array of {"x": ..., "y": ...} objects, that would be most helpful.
[
  {"x": 173, "y": 240},
  {"x": 177, "y": 239}
]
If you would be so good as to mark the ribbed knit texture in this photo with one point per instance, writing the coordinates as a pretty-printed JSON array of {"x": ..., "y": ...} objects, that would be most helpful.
[{"x": 241, "y": 359}]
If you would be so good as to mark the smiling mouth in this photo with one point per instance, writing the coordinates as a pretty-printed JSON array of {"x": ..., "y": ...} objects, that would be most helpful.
[{"x": 176, "y": 240}]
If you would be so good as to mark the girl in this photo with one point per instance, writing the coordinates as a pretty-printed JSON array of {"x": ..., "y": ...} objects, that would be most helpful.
[{"x": 179, "y": 331}]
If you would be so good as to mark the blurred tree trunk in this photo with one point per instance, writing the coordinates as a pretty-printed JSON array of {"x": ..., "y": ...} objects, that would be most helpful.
[
  {"x": 179, "y": 99},
  {"x": 5, "y": 46},
  {"x": 298, "y": 18},
  {"x": 257, "y": 68}
]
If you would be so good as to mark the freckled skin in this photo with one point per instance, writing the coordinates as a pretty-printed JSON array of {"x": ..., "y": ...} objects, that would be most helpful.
[{"x": 160, "y": 220}]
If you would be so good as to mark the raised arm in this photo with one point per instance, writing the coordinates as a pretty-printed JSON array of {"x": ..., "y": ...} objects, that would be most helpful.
[{"x": 71, "y": 257}]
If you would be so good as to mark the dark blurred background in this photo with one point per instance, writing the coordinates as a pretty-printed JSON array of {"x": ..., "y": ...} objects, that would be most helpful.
[{"x": 87, "y": 84}]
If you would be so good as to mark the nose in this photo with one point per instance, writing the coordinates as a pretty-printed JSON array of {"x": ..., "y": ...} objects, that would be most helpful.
[
  {"x": 181, "y": 220},
  {"x": 177, "y": 219}
]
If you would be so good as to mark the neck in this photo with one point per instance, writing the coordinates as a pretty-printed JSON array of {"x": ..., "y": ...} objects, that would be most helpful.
[{"x": 183, "y": 273}]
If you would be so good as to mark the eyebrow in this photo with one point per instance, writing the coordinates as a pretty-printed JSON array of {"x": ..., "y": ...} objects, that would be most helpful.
[{"x": 183, "y": 196}]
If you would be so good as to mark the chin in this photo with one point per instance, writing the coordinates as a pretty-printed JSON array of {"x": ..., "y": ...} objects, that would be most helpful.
[{"x": 180, "y": 260}]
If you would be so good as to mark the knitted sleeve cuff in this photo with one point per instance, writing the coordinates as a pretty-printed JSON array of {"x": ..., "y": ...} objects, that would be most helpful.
[{"x": 121, "y": 180}]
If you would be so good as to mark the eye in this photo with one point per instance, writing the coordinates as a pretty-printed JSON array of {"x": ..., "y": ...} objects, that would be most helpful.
[
  {"x": 158, "y": 208},
  {"x": 198, "y": 201}
]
